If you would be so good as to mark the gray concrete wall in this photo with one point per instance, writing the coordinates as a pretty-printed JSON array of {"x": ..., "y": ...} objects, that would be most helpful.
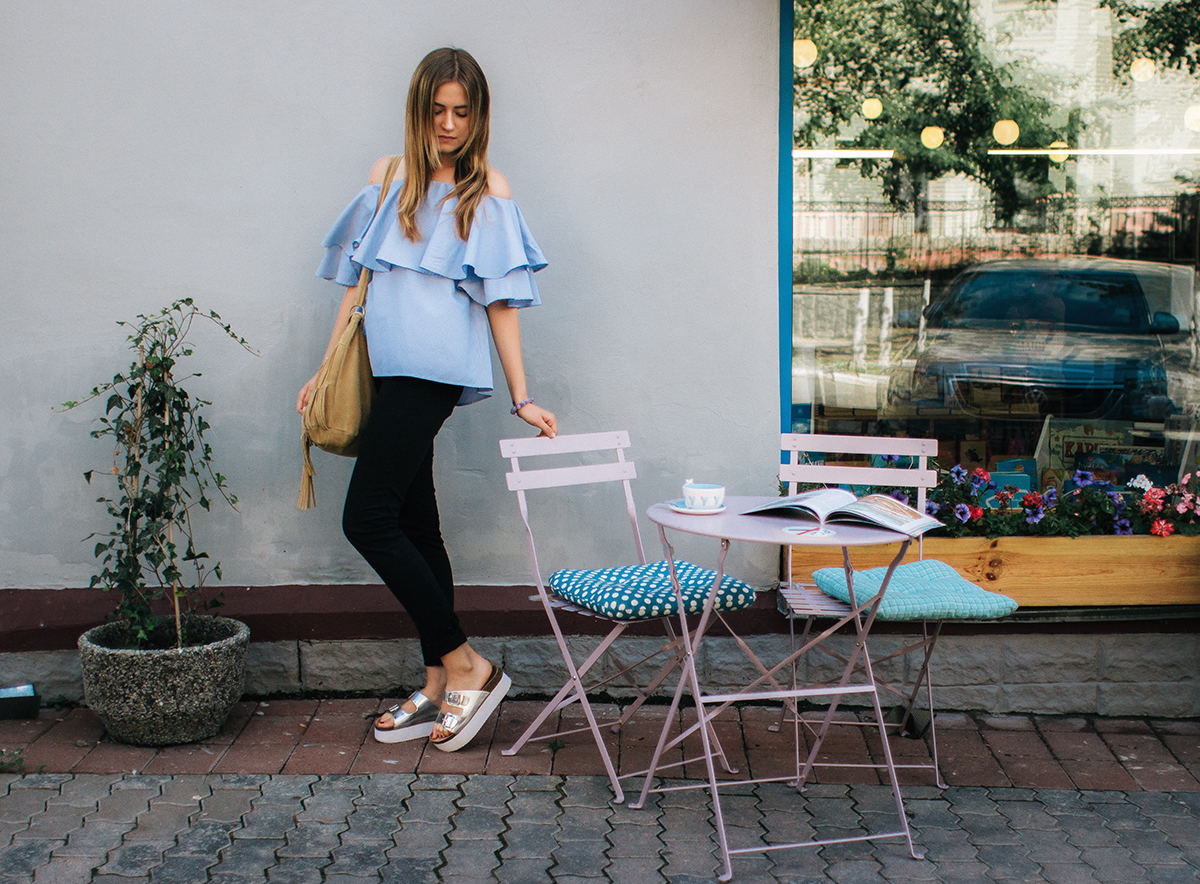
[
  {"x": 1101, "y": 674},
  {"x": 157, "y": 150}
]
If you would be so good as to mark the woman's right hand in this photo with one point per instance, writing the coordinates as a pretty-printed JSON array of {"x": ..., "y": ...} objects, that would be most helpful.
[
  {"x": 540, "y": 419},
  {"x": 305, "y": 394}
]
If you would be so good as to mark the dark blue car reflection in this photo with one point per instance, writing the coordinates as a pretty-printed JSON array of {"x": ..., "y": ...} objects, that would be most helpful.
[{"x": 1028, "y": 338}]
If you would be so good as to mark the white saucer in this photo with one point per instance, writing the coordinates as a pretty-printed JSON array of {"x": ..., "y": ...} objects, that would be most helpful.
[{"x": 678, "y": 506}]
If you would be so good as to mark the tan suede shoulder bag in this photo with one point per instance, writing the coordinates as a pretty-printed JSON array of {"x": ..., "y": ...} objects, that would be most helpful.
[{"x": 341, "y": 399}]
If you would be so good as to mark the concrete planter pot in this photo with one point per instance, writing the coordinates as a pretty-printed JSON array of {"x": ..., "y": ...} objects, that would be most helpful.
[
  {"x": 159, "y": 698},
  {"x": 1053, "y": 571}
]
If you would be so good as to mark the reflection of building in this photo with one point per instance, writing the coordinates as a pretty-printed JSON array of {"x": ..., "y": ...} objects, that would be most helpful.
[{"x": 1067, "y": 48}]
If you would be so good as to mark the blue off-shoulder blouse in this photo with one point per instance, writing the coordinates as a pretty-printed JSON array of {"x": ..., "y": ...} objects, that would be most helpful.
[{"x": 425, "y": 313}]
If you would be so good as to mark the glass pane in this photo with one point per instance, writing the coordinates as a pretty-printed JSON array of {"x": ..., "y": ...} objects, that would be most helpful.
[{"x": 995, "y": 231}]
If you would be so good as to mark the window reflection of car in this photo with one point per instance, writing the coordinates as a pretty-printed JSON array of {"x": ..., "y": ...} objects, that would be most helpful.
[{"x": 1070, "y": 337}]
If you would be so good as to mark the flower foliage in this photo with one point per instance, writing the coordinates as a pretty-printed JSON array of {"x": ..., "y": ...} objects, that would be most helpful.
[
  {"x": 970, "y": 504},
  {"x": 162, "y": 468}
]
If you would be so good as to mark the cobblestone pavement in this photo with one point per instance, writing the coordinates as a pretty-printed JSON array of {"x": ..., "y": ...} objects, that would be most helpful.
[
  {"x": 298, "y": 791},
  {"x": 408, "y": 827}
]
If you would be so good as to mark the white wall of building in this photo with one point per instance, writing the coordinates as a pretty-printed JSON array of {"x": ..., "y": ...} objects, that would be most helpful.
[{"x": 158, "y": 150}]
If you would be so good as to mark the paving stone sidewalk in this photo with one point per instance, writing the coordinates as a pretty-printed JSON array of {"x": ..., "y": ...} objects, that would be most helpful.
[
  {"x": 333, "y": 736},
  {"x": 298, "y": 791},
  {"x": 453, "y": 827}
]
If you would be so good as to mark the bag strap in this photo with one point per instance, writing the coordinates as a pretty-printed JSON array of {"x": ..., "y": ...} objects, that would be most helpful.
[{"x": 364, "y": 276}]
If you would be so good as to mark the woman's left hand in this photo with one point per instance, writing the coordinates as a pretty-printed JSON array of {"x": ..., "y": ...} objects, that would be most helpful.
[{"x": 538, "y": 417}]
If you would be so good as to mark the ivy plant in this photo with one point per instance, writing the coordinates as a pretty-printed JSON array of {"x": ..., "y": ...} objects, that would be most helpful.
[{"x": 162, "y": 469}]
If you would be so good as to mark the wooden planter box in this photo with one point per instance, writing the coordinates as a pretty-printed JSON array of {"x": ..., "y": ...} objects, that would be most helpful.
[{"x": 1052, "y": 571}]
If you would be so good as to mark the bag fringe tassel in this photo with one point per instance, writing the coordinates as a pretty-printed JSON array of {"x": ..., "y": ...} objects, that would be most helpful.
[{"x": 308, "y": 490}]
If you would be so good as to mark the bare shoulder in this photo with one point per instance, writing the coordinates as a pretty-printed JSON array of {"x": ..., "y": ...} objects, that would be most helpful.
[
  {"x": 498, "y": 184},
  {"x": 380, "y": 169}
]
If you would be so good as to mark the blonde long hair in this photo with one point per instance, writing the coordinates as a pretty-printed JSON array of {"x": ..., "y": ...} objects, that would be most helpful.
[{"x": 421, "y": 158}]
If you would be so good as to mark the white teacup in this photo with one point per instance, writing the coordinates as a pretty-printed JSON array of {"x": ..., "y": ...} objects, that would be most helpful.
[{"x": 702, "y": 496}]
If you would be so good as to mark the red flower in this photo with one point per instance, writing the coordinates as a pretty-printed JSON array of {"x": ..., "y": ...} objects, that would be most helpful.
[
  {"x": 1031, "y": 501},
  {"x": 1152, "y": 501},
  {"x": 976, "y": 512},
  {"x": 1162, "y": 528},
  {"x": 982, "y": 474}
]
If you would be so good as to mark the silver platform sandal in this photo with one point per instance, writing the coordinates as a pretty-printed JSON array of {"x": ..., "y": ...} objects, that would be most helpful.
[{"x": 409, "y": 725}]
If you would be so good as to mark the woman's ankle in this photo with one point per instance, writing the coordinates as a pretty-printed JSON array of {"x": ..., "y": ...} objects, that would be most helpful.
[
  {"x": 465, "y": 665},
  {"x": 435, "y": 683}
]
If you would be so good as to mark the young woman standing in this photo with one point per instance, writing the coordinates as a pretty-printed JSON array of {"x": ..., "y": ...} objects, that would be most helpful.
[{"x": 451, "y": 258}]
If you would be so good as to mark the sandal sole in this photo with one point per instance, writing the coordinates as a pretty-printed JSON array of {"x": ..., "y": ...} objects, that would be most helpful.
[
  {"x": 404, "y": 734},
  {"x": 479, "y": 719}
]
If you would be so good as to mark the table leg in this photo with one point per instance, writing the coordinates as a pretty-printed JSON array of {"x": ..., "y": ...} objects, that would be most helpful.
[
  {"x": 703, "y": 719},
  {"x": 862, "y": 630},
  {"x": 690, "y": 681}
]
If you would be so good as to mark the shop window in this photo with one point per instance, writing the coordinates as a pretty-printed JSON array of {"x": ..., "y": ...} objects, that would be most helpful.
[{"x": 995, "y": 231}]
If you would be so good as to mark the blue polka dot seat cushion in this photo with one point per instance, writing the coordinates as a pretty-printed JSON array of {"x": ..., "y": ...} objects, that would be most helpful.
[
  {"x": 643, "y": 592},
  {"x": 922, "y": 590}
]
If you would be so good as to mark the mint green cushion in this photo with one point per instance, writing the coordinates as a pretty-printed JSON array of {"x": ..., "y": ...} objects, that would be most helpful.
[
  {"x": 643, "y": 592},
  {"x": 922, "y": 590}
]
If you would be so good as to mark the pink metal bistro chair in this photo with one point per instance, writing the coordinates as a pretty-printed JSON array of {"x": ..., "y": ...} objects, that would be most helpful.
[
  {"x": 618, "y": 596},
  {"x": 926, "y": 591}
]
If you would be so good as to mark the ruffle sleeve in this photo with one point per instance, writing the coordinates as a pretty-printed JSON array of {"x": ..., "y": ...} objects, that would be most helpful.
[
  {"x": 500, "y": 242},
  {"x": 517, "y": 287},
  {"x": 497, "y": 260},
  {"x": 344, "y": 238}
]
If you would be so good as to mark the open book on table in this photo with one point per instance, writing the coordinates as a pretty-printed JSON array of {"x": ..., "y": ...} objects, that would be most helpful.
[{"x": 837, "y": 505}]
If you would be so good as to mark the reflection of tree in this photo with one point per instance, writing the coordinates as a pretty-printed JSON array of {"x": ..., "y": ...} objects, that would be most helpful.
[
  {"x": 1167, "y": 32},
  {"x": 924, "y": 60}
]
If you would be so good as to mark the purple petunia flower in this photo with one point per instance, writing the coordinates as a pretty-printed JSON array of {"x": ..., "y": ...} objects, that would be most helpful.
[
  {"x": 1083, "y": 478},
  {"x": 1035, "y": 515},
  {"x": 962, "y": 512},
  {"x": 1122, "y": 526},
  {"x": 900, "y": 496},
  {"x": 932, "y": 507},
  {"x": 1050, "y": 496},
  {"x": 958, "y": 474}
]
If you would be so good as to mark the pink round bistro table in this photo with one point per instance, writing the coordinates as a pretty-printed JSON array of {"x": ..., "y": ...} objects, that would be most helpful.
[{"x": 776, "y": 529}]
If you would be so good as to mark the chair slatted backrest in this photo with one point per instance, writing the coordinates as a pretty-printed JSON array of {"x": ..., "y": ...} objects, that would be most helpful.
[
  {"x": 918, "y": 476},
  {"x": 616, "y": 470}
]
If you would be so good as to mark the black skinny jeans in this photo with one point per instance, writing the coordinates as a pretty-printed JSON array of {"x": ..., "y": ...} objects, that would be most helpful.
[{"x": 391, "y": 514}]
